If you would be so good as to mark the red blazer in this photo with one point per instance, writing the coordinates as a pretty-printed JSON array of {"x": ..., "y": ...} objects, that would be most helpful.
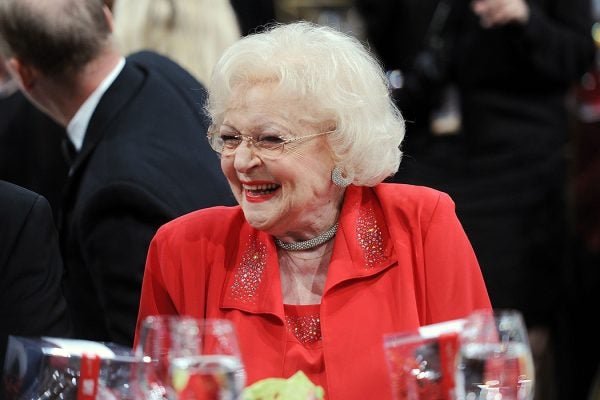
[{"x": 400, "y": 260}]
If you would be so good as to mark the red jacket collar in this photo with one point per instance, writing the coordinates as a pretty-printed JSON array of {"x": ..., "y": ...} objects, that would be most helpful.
[{"x": 362, "y": 248}]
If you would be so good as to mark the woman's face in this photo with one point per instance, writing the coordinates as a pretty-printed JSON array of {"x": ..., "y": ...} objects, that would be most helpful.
[{"x": 288, "y": 195}]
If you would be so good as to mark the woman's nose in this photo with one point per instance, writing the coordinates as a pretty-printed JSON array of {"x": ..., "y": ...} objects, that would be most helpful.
[{"x": 246, "y": 156}]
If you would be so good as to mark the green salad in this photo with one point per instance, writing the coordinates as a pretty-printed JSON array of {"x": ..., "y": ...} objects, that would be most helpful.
[{"x": 296, "y": 387}]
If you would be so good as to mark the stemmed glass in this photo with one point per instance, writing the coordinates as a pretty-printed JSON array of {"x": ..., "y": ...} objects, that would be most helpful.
[
  {"x": 189, "y": 358},
  {"x": 494, "y": 360}
]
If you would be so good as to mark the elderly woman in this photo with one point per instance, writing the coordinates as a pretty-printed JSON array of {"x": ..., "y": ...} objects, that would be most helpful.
[{"x": 320, "y": 258}]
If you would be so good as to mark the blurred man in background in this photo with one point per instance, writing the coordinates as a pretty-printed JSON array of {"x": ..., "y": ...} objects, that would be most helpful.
[{"x": 137, "y": 144}]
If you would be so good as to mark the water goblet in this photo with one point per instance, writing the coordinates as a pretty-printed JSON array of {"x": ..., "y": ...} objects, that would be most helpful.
[
  {"x": 494, "y": 361},
  {"x": 189, "y": 358}
]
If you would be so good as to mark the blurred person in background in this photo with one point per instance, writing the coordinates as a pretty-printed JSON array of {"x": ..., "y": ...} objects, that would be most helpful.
[
  {"x": 139, "y": 157},
  {"x": 31, "y": 269},
  {"x": 254, "y": 15},
  {"x": 586, "y": 215},
  {"x": 193, "y": 33},
  {"x": 30, "y": 144},
  {"x": 483, "y": 85}
]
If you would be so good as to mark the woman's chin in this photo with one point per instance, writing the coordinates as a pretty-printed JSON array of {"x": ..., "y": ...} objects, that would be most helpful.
[{"x": 257, "y": 222}]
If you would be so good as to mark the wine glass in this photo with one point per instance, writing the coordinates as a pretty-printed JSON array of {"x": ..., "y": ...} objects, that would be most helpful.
[
  {"x": 494, "y": 359},
  {"x": 189, "y": 358}
]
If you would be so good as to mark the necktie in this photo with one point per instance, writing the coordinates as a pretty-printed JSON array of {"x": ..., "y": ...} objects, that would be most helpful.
[{"x": 69, "y": 151}]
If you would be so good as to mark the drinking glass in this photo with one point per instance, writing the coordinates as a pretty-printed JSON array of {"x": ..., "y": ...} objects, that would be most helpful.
[
  {"x": 189, "y": 358},
  {"x": 494, "y": 360},
  {"x": 421, "y": 362}
]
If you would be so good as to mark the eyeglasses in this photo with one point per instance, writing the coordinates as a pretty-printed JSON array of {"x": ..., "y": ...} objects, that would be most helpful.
[{"x": 267, "y": 146}]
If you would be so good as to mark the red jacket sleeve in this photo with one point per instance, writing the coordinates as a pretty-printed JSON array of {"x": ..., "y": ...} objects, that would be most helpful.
[{"x": 451, "y": 267}]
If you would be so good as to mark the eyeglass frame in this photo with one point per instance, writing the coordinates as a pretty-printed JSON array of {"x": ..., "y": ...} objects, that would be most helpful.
[{"x": 255, "y": 143}]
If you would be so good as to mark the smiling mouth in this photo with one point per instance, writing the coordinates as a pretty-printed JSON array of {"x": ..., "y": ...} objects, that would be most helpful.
[{"x": 260, "y": 190}]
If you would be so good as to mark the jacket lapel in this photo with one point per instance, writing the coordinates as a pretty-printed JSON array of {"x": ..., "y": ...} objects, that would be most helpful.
[
  {"x": 362, "y": 245},
  {"x": 123, "y": 89},
  {"x": 253, "y": 283}
]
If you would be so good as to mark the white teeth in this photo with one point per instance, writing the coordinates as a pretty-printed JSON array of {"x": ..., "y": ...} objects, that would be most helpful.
[{"x": 267, "y": 186}]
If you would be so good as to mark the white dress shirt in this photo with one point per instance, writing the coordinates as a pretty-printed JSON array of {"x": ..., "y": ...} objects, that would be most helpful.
[{"x": 80, "y": 121}]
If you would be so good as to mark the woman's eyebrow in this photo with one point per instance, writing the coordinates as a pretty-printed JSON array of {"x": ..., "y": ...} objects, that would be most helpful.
[{"x": 229, "y": 128}]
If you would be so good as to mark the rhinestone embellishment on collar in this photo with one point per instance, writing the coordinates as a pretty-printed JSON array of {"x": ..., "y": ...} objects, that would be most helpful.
[{"x": 310, "y": 243}]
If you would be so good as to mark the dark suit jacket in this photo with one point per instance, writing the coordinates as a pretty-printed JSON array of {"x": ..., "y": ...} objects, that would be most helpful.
[
  {"x": 31, "y": 269},
  {"x": 145, "y": 160},
  {"x": 30, "y": 152}
]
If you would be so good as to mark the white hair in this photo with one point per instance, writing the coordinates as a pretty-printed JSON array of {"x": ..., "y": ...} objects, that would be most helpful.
[{"x": 336, "y": 77}]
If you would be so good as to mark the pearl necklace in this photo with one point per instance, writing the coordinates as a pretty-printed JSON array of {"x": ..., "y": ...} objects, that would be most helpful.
[{"x": 310, "y": 243}]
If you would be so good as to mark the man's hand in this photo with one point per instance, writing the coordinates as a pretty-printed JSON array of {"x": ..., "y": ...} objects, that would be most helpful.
[{"x": 500, "y": 12}]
